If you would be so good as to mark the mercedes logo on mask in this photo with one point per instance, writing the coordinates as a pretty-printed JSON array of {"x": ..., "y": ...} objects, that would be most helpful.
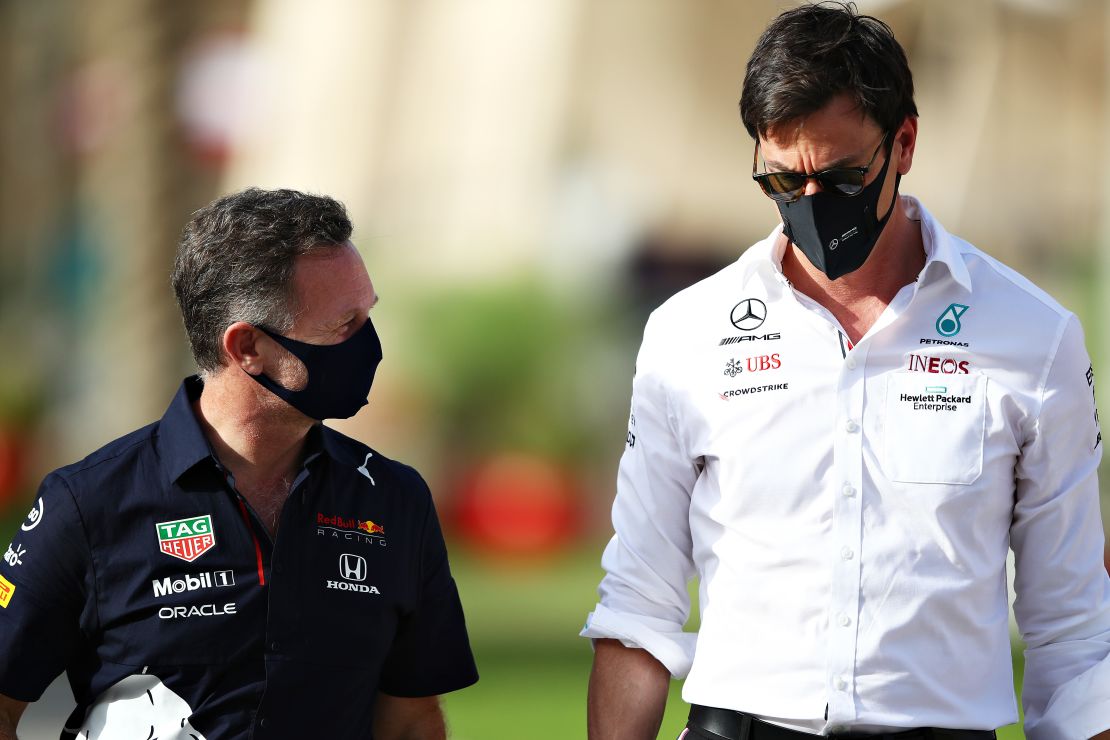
[{"x": 749, "y": 314}]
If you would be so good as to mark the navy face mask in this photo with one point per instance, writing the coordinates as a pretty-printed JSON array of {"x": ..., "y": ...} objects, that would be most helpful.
[
  {"x": 835, "y": 232},
  {"x": 339, "y": 375}
]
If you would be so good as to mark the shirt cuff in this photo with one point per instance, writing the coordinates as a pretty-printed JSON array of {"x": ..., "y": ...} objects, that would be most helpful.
[
  {"x": 1078, "y": 708},
  {"x": 667, "y": 643}
]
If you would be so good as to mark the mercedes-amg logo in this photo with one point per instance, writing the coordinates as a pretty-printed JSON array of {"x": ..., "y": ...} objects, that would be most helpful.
[{"x": 749, "y": 314}]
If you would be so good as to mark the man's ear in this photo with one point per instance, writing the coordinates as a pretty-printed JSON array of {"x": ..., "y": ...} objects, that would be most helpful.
[
  {"x": 906, "y": 135},
  {"x": 240, "y": 345}
]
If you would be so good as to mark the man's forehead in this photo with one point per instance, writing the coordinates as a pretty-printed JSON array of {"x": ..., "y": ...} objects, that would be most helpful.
[
  {"x": 335, "y": 273},
  {"x": 841, "y": 118}
]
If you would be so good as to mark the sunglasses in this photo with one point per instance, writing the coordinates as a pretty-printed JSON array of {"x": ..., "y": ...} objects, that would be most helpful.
[{"x": 787, "y": 187}]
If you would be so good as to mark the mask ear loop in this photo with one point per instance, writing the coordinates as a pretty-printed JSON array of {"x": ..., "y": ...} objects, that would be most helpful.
[{"x": 897, "y": 183}]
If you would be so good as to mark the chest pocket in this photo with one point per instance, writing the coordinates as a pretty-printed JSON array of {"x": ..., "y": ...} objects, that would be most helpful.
[{"x": 934, "y": 428}]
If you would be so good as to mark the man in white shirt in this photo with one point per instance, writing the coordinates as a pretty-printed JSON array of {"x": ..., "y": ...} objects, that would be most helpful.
[{"x": 841, "y": 434}]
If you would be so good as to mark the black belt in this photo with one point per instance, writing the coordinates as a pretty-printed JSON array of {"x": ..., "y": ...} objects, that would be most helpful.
[{"x": 711, "y": 723}]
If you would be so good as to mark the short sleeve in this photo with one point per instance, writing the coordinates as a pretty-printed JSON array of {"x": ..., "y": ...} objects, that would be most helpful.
[
  {"x": 44, "y": 580},
  {"x": 431, "y": 652}
]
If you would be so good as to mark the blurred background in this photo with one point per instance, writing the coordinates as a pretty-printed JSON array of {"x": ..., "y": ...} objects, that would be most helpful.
[{"x": 527, "y": 181}]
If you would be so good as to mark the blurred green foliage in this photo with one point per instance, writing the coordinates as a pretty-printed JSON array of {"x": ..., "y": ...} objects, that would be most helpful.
[{"x": 514, "y": 365}]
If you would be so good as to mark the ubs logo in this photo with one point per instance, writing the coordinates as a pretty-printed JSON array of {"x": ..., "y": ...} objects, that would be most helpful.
[
  {"x": 749, "y": 314},
  {"x": 352, "y": 567}
]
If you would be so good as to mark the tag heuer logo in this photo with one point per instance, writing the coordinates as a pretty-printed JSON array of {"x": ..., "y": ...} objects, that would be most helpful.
[{"x": 186, "y": 539}]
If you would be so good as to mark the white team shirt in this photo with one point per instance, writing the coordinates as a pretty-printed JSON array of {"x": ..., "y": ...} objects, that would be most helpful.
[{"x": 848, "y": 509}]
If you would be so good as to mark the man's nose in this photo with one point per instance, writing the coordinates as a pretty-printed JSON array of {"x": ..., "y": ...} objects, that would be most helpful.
[{"x": 812, "y": 186}]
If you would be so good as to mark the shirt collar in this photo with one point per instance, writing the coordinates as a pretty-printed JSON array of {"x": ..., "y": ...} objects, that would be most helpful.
[
  {"x": 181, "y": 441},
  {"x": 182, "y": 444},
  {"x": 942, "y": 250},
  {"x": 339, "y": 448},
  {"x": 764, "y": 258}
]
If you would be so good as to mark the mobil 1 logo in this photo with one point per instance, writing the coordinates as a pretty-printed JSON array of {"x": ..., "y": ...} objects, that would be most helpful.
[{"x": 192, "y": 582}]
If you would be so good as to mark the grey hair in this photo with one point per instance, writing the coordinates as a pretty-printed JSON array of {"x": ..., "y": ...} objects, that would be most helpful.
[{"x": 236, "y": 258}]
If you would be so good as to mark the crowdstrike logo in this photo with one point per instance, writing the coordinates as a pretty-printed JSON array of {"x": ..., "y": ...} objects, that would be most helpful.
[{"x": 749, "y": 314}]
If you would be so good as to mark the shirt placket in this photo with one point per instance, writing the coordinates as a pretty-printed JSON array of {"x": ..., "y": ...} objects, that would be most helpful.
[
  {"x": 847, "y": 537},
  {"x": 283, "y": 614}
]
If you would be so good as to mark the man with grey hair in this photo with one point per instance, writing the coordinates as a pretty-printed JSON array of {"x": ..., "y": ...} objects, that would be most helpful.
[{"x": 152, "y": 572}]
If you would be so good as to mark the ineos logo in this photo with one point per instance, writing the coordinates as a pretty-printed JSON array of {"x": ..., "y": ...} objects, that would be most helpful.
[
  {"x": 749, "y": 314},
  {"x": 352, "y": 567}
]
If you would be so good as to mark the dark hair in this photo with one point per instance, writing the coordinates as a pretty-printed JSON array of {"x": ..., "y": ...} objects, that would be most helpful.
[
  {"x": 236, "y": 257},
  {"x": 811, "y": 54}
]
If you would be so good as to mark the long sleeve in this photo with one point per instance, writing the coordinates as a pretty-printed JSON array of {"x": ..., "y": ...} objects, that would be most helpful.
[
  {"x": 644, "y": 600},
  {"x": 1063, "y": 592}
]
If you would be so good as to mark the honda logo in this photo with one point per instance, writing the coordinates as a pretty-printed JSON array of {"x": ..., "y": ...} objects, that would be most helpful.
[{"x": 352, "y": 567}]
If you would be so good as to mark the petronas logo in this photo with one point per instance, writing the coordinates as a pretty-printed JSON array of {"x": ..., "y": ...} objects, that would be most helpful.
[{"x": 948, "y": 323}]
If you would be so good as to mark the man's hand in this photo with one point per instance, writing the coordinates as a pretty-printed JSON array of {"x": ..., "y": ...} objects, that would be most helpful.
[
  {"x": 628, "y": 693},
  {"x": 10, "y": 712},
  {"x": 402, "y": 718}
]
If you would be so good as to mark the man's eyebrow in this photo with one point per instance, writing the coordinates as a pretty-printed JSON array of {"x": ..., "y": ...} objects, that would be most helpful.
[{"x": 842, "y": 162}]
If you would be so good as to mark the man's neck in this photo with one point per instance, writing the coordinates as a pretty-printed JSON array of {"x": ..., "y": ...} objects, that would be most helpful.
[
  {"x": 258, "y": 438},
  {"x": 859, "y": 298}
]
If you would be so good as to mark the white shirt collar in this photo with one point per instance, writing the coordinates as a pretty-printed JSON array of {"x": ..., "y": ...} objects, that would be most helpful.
[{"x": 764, "y": 258}]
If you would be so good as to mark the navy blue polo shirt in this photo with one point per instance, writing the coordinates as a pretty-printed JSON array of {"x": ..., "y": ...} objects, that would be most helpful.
[{"x": 147, "y": 578}]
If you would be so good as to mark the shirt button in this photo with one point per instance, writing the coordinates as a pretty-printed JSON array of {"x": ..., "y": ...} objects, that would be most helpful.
[
  {"x": 846, "y": 553},
  {"x": 844, "y": 619},
  {"x": 851, "y": 426},
  {"x": 848, "y": 491},
  {"x": 838, "y": 682},
  {"x": 275, "y": 645},
  {"x": 262, "y": 723},
  {"x": 851, "y": 363}
]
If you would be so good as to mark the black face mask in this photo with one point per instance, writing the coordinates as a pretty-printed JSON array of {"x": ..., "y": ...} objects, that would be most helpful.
[
  {"x": 339, "y": 375},
  {"x": 837, "y": 233}
]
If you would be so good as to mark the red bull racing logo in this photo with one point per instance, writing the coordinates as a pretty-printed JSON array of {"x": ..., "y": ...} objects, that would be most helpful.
[{"x": 350, "y": 529}]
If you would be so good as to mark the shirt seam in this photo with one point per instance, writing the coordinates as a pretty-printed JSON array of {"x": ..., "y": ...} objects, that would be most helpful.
[
  {"x": 87, "y": 464},
  {"x": 1050, "y": 362},
  {"x": 88, "y": 546}
]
